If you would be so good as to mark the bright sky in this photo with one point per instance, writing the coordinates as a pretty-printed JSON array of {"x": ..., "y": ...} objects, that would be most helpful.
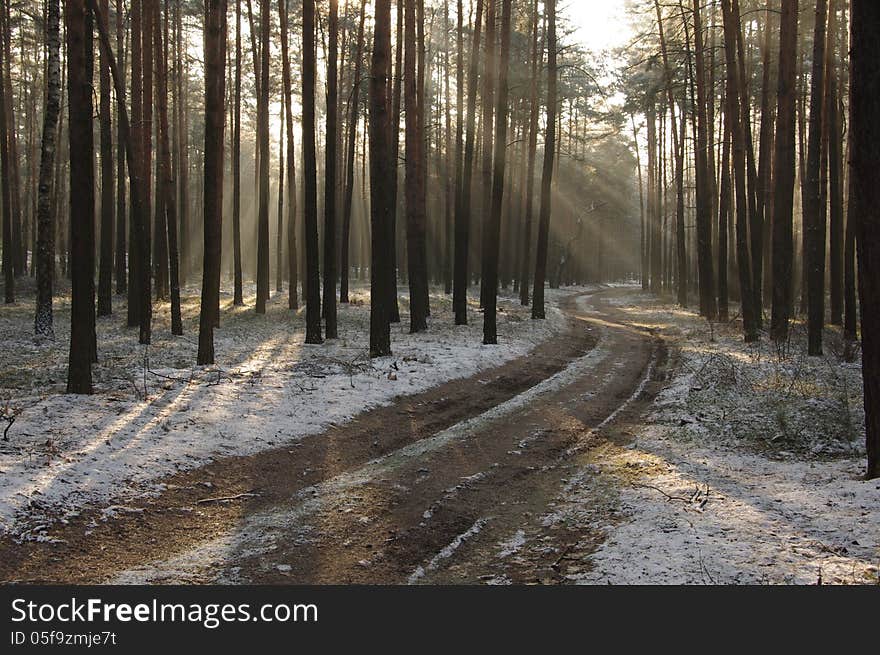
[{"x": 602, "y": 23}]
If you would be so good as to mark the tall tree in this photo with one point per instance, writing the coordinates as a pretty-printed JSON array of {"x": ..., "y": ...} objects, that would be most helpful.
[
  {"x": 537, "y": 56},
  {"x": 147, "y": 152},
  {"x": 865, "y": 124},
  {"x": 105, "y": 269},
  {"x": 293, "y": 297},
  {"x": 734, "y": 89},
  {"x": 382, "y": 167},
  {"x": 725, "y": 217},
  {"x": 463, "y": 202},
  {"x": 538, "y": 309},
  {"x": 120, "y": 260},
  {"x": 678, "y": 149},
  {"x": 166, "y": 182},
  {"x": 493, "y": 232},
  {"x": 708, "y": 307},
  {"x": 448, "y": 165},
  {"x": 310, "y": 176},
  {"x": 834, "y": 139},
  {"x": 488, "y": 101},
  {"x": 137, "y": 127},
  {"x": 9, "y": 247},
  {"x": 263, "y": 136},
  {"x": 77, "y": 22},
  {"x": 329, "y": 309},
  {"x": 814, "y": 201},
  {"x": 215, "y": 91},
  {"x": 238, "y": 293},
  {"x": 416, "y": 219},
  {"x": 784, "y": 163},
  {"x": 43, "y": 321},
  {"x": 354, "y": 108}
]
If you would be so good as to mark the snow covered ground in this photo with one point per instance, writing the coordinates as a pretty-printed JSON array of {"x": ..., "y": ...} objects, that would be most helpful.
[
  {"x": 749, "y": 469},
  {"x": 155, "y": 413}
]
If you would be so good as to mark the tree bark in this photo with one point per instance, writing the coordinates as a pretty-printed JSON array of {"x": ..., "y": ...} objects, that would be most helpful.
[
  {"x": 814, "y": 201},
  {"x": 463, "y": 208},
  {"x": 166, "y": 181},
  {"x": 865, "y": 124},
  {"x": 784, "y": 174},
  {"x": 493, "y": 231},
  {"x": 416, "y": 219},
  {"x": 348, "y": 200},
  {"x": 82, "y": 199},
  {"x": 43, "y": 320},
  {"x": 105, "y": 273},
  {"x": 330, "y": 159},
  {"x": 708, "y": 307},
  {"x": 382, "y": 167},
  {"x": 10, "y": 250},
  {"x": 215, "y": 92},
  {"x": 528, "y": 219},
  {"x": 292, "y": 264},
  {"x": 238, "y": 293},
  {"x": 538, "y": 310},
  {"x": 121, "y": 203},
  {"x": 310, "y": 177},
  {"x": 734, "y": 89},
  {"x": 263, "y": 136}
]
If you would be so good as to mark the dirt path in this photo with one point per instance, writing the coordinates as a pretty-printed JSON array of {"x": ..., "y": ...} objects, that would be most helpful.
[{"x": 444, "y": 486}]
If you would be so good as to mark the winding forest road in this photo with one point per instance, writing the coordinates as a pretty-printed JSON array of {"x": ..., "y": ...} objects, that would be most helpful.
[{"x": 441, "y": 487}]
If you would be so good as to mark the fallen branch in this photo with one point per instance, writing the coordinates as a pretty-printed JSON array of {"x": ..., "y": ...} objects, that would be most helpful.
[
  {"x": 223, "y": 499},
  {"x": 648, "y": 486},
  {"x": 10, "y": 419}
]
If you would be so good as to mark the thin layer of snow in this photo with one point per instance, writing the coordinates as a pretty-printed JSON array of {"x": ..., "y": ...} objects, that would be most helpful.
[
  {"x": 268, "y": 390},
  {"x": 448, "y": 551},
  {"x": 739, "y": 475}
]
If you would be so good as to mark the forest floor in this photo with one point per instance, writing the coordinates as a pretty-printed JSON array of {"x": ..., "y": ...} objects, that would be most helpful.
[{"x": 620, "y": 441}]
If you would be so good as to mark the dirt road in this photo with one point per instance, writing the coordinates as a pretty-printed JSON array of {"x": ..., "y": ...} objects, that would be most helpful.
[{"x": 461, "y": 484}]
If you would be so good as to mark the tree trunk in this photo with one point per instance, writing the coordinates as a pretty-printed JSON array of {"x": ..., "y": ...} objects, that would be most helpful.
[
  {"x": 263, "y": 136},
  {"x": 493, "y": 231},
  {"x": 528, "y": 219},
  {"x": 705, "y": 269},
  {"x": 310, "y": 177},
  {"x": 382, "y": 168},
  {"x": 215, "y": 92},
  {"x": 345, "y": 265},
  {"x": 865, "y": 123},
  {"x": 121, "y": 264},
  {"x": 330, "y": 159},
  {"x": 43, "y": 321},
  {"x": 724, "y": 217},
  {"x": 166, "y": 182},
  {"x": 147, "y": 152},
  {"x": 678, "y": 150},
  {"x": 538, "y": 311},
  {"x": 463, "y": 202},
  {"x": 784, "y": 174},
  {"x": 814, "y": 201},
  {"x": 486, "y": 147},
  {"x": 292, "y": 265},
  {"x": 105, "y": 273},
  {"x": 734, "y": 88},
  {"x": 449, "y": 166},
  {"x": 655, "y": 242},
  {"x": 416, "y": 218},
  {"x": 835, "y": 171},
  {"x": 82, "y": 198},
  {"x": 238, "y": 293},
  {"x": 9, "y": 247},
  {"x": 394, "y": 127}
]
